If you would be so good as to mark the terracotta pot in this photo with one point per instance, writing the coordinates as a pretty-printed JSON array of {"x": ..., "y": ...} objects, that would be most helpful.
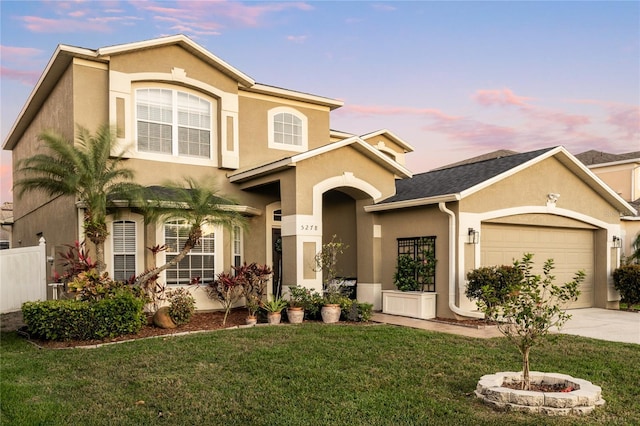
[
  {"x": 295, "y": 315},
  {"x": 162, "y": 319},
  {"x": 330, "y": 313},
  {"x": 251, "y": 320},
  {"x": 274, "y": 317}
]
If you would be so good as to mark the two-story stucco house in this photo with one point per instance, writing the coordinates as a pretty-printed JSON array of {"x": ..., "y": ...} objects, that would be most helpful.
[{"x": 181, "y": 111}]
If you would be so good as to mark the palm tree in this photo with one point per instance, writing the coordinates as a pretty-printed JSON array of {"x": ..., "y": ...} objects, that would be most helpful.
[
  {"x": 635, "y": 256},
  {"x": 196, "y": 202},
  {"x": 86, "y": 170}
]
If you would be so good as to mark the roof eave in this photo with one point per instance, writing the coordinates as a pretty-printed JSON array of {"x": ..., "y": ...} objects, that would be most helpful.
[
  {"x": 57, "y": 65},
  {"x": 418, "y": 202},
  {"x": 293, "y": 95}
]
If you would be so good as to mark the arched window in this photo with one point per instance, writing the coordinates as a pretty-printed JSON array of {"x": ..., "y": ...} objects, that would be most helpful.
[
  {"x": 173, "y": 122},
  {"x": 287, "y": 129}
]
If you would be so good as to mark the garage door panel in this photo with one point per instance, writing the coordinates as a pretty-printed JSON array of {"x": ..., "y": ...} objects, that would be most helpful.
[{"x": 571, "y": 250}]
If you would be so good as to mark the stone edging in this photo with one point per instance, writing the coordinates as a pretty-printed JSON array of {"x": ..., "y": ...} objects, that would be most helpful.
[{"x": 582, "y": 400}]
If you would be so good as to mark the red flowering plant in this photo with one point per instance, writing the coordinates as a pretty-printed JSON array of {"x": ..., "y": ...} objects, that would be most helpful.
[
  {"x": 254, "y": 279},
  {"x": 226, "y": 289}
]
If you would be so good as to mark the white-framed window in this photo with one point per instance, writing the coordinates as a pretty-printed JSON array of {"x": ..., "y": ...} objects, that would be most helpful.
[
  {"x": 173, "y": 122},
  {"x": 288, "y": 129},
  {"x": 199, "y": 263},
  {"x": 123, "y": 236},
  {"x": 236, "y": 246}
]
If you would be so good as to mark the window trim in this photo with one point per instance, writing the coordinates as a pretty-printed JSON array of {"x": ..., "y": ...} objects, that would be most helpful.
[
  {"x": 124, "y": 252},
  {"x": 140, "y": 247},
  {"x": 175, "y": 155},
  {"x": 237, "y": 236},
  {"x": 218, "y": 251},
  {"x": 304, "y": 145}
]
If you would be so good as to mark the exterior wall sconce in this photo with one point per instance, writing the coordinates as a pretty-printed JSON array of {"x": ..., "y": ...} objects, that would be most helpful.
[
  {"x": 617, "y": 242},
  {"x": 473, "y": 236}
]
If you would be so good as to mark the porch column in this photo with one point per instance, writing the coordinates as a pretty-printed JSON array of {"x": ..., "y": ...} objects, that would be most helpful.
[{"x": 301, "y": 240}]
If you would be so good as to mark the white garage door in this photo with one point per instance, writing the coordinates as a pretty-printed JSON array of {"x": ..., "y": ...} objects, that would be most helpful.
[{"x": 571, "y": 250}]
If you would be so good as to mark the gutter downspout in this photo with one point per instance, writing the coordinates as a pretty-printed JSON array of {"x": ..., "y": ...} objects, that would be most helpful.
[{"x": 452, "y": 265}]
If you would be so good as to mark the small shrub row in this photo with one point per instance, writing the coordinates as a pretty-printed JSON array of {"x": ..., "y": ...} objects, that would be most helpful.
[
  {"x": 626, "y": 280},
  {"x": 117, "y": 315}
]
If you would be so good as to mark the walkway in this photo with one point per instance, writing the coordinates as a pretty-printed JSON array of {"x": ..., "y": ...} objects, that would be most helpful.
[{"x": 603, "y": 324}]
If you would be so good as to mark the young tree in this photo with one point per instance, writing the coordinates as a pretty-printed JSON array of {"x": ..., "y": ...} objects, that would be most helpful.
[
  {"x": 86, "y": 170},
  {"x": 198, "y": 203},
  {"x": 537, "y": 304}
]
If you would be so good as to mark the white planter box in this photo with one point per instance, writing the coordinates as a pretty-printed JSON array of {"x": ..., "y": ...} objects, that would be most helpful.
[{"x": 414, "y": 304}]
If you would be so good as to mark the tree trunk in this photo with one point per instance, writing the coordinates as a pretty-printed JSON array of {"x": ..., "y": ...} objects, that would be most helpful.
[
  {"x": 192, "y": 241},
  {"x": 526, "y": 381}
]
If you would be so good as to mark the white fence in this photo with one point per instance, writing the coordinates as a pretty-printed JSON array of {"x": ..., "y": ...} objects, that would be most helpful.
[{"x": 23, "y": 276}]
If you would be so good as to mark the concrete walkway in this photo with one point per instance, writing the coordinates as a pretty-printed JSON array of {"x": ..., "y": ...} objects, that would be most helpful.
[
  {"x": 603, "y": 324},
  {"x": 443, "y": 327}
]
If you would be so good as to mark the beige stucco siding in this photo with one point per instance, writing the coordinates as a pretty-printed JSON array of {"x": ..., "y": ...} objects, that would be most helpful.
[
  {"x": 416, "y": 222},
  {"x": 56, "y": 220},
  {"x": 164, "y": 59},
  {"x": 624, "y": 179},
  {"x": 335, "y": 163},
  {"x": 253, "y": 128},
  {"x": 90, "y": 89},
  {"x": 531, "y": 186}
]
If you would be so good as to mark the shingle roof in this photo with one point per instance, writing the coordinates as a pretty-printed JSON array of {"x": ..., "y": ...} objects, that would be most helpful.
[
  {"x": 591, "y": 157},
  {"x": 454, "y": 180},
  {"x": 490, "y": 156}
]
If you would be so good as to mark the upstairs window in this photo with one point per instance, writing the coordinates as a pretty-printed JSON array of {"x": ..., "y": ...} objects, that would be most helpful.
[
  {"x": 124, "y": 250},
  {"x": 173, "y": 122},
  {"x": 287, "y": 129}
]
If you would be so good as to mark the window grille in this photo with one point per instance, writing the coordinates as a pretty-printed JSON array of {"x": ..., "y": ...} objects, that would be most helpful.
[
  {"x": 124, "y": 250},
  {"x": 419, "y": 249},
  {"x": 199, "y": 262},
  {"x": 173, "y": 122}
]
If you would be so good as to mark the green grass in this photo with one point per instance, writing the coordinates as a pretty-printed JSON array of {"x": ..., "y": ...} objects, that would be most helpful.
[{"x": 312, "y": 374}]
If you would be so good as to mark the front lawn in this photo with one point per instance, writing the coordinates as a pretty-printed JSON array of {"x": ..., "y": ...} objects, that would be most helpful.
[{"x": 312, "y": 374}]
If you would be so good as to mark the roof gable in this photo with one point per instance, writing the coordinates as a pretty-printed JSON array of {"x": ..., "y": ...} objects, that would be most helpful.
[
  {"x": 456, "y": 183},
  {"x": 355, "y": 142}
]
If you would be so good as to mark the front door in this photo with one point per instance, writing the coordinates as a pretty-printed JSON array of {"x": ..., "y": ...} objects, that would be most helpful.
[{"x": 276, "y": 237}]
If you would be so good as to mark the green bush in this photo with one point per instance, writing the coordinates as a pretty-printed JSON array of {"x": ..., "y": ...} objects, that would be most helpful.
[
  {"x": 491, "y": 285},
  {"x": 352, "y": 310},
  {"x": 81, "y": 320},
  {"x": 626, "y": 280},
  {"x": 182, "y": 305}
]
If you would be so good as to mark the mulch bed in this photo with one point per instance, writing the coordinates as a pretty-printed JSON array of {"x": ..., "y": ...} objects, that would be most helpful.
[
  {"x": 540, "y": 387},
  {"x": 201, "y": 321},
  {"x": 473, "y": 323}
]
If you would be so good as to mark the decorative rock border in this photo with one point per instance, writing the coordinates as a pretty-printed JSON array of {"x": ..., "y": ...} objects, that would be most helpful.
[{"x": 582, "y": 400}]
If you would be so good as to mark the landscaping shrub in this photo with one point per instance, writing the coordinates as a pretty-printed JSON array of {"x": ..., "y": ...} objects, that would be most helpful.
[
  {"x": 491, "y": 285},
  {"x": 181, "y": 305},
  {"x": 626, "y": 280},
  {"x": 352, "y": 310},
  {"x": 117, "y": 315}
]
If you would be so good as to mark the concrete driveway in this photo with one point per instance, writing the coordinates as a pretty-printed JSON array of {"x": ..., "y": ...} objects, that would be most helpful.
[{"x": 604, "y": 324}]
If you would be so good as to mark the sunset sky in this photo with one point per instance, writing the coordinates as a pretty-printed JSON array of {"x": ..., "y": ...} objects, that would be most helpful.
[{"x": 454, "y": 79}]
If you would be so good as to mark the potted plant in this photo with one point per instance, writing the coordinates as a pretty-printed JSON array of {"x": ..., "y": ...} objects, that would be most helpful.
[
  {"x": 413, "y": 279},
  {"x": 274, "y": 309},
  {"x": 327, "y": 261},
  {"x": 254, "y": 288},
  {"x": 299, "y": 299}
]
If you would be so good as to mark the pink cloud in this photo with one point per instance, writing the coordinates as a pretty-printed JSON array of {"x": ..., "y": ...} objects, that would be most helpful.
[
  {"x": 6, "y": 179},
  {"x": 393, "y": 110},
  {"x": 499, "y": 97},
  {"x": 250, "y": 15},
  {"x": 14, "y": 53},
  {"x": 28, "y": 78},
  {"x": 626, "y": 119},
  {"x": 297, "y": 39},
  {"x": 45, "y": 25}
]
